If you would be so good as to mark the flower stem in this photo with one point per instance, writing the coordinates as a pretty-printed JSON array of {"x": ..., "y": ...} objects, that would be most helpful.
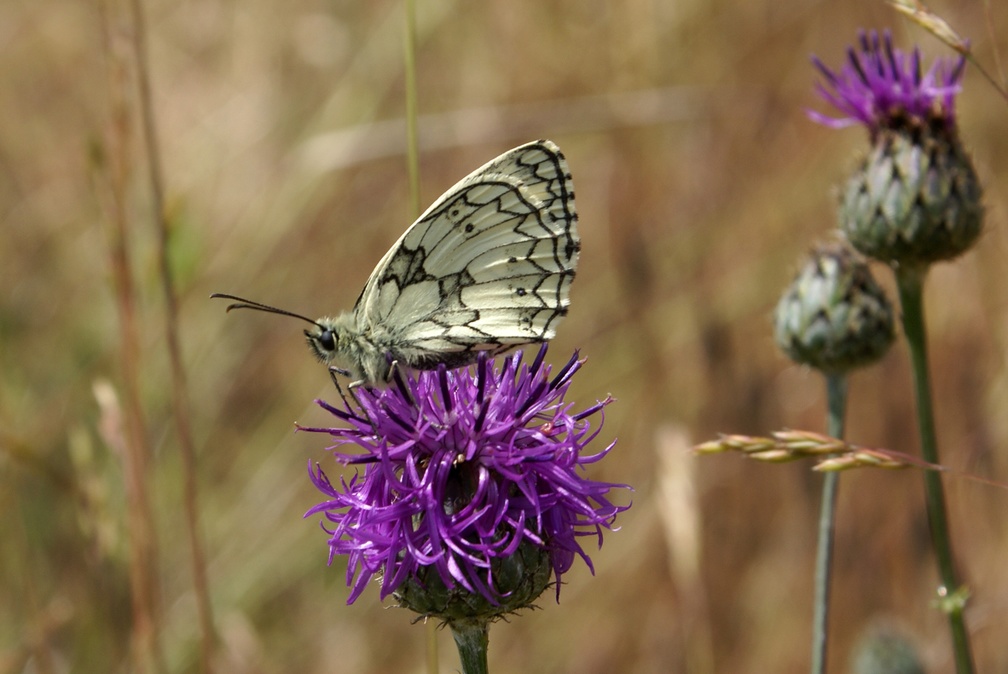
[
  {"x": 412, "y": 136},
  {"x": 413, "y": 171},
  {"x": 836, "y": 403},
  {"x": 911, "y": 282},
  {"x": 472, "y": 639}
]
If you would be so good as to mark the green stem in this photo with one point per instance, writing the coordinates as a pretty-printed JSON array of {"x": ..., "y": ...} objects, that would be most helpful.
[
  {"x": 836, "y": 403},
  {"x": 472, "y": 640},
  {"x": 412, "y": 141},
  {"x": 911, "y": 283},
  {"x": 413, "y": 171}
]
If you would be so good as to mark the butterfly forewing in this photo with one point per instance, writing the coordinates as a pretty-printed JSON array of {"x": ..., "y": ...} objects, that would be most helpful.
[{"x": 487, "y": 266}]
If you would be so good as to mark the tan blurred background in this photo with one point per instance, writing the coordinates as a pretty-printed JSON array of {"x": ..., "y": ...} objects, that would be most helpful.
[{"x": 700, "y": 183}]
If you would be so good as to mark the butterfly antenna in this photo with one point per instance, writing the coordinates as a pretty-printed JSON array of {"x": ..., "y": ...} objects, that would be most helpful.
[{"x": 242, "y": 303}]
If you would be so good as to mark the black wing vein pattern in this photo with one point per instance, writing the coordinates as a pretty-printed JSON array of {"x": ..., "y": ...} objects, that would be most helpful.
[{"x": 487, "y": 267}]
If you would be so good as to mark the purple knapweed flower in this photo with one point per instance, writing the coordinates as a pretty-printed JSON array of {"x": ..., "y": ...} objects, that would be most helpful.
[
  {"x": 914, "y": 198},
  {"x": 462, "y": 469},
  {"x": 880, "y": 85}
]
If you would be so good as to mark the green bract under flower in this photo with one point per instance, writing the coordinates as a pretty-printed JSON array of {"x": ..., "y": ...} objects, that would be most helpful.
[
  {"x": 913, "y": 200},
  {"x": 466, "y": 475}
]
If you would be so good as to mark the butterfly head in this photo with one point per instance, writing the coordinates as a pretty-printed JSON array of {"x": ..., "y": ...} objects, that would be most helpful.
[
  {"x": 327, "y": 338},
  {"x": 322, "y": 341}
]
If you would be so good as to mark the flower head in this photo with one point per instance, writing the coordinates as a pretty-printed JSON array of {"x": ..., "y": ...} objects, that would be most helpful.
[
  {"x": 881, "y": 86},
  {"x": 462, "y": 469},
  {"x": 915, "y": 198}
]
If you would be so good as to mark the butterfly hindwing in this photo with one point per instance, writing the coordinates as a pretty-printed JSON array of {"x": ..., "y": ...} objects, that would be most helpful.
[{"x": 487, "y": 266}]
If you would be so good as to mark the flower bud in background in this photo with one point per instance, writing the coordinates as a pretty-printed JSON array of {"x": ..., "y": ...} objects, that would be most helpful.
[
  {"x": 471, "y": 494},
  {"x": 885, "y": 650},
  {"x": 915, "y": 198},
  {"x": 834, "y": 316}
]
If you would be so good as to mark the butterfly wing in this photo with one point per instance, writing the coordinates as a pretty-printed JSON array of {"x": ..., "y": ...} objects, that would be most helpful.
[{"x": 488, "y": 266}]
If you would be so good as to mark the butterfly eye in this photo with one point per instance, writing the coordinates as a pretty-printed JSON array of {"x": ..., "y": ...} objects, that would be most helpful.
[{"x": 327, "y": 340}]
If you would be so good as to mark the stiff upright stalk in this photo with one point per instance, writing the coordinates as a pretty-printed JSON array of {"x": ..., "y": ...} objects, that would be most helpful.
[
  {"x": 836, "y": 402},
  {"x": 472, "y": 639},
  {"x": 413, "y": 171},
  {"x": 412, "y": 136},
  {"x": 911, "y": 282}
]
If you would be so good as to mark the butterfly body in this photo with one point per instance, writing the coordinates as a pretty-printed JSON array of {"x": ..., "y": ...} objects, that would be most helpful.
[{"x": 486, "y": 268}]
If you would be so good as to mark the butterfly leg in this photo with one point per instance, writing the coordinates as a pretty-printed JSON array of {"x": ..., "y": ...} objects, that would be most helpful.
[
  {"x": 334, "y": 374},
  {"x": 395, "y": 374}
]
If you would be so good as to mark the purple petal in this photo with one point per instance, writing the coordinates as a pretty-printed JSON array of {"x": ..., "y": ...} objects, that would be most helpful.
[
  {"x": 879, "y": 85},
  {"x": 459, "y": 468}
]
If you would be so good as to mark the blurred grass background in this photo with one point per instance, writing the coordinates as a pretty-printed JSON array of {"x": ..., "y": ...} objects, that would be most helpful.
[{"x": 700, "y": 183}]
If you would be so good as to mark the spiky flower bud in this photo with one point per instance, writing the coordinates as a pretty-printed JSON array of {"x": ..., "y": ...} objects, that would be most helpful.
[
  {"x": 915, "y": 197},
  {"x": 834, "y": 316}
]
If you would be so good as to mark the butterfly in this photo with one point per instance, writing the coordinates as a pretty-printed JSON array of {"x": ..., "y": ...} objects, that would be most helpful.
[{"x": 487, "y": 267}]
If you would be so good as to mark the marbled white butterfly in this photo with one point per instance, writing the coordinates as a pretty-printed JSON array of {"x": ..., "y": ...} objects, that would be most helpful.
[{"x": 487, "y": 267}]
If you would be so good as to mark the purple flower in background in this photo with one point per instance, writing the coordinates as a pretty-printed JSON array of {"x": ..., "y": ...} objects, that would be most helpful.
[
  {"x": 460, "y": 469},
  {"x": 880, "y": 85},
  {"x": 915, "y": 197}
]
